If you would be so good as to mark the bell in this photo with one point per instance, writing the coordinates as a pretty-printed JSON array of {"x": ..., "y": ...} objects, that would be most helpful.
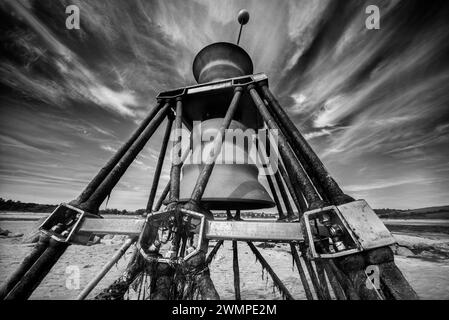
[{"x": 233, "y": 183}]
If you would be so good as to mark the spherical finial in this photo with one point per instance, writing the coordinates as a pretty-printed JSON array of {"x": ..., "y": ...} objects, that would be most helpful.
[{"x": 243, "y": 16}]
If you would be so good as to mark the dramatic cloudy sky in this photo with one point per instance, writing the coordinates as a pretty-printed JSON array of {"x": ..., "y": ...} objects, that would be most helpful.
[{"x": 374, "y": 104}]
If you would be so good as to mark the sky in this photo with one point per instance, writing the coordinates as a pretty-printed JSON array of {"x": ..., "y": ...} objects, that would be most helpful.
[{"x": 373, "y": 104}]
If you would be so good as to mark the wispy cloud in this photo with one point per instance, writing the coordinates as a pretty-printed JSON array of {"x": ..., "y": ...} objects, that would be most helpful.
[{"x": 364, "y": 99}]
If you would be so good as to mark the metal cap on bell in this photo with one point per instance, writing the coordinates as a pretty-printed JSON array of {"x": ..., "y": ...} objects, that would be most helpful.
[
  {"x": 221, "y": 60},
  {"x": 233, "y": 184}
]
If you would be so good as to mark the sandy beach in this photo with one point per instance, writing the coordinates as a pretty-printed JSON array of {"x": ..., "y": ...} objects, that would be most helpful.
[{"x": 423, "y": 258}]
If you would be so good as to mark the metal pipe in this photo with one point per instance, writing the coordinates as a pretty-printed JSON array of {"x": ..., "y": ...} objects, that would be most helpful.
[
  {"x": 302, "y": 275},
  {"x": 310, "y": 173},
  {"x": 205, "y": 173},
  {"x": 302, "y": 148},
  {"x": 163, "y": 196},
  {"x": 275, "y": 197},
  {"x": 336, "y": 287},
  {"x": 284, "y": 195},
  {"x": 175, "y": 173},
  {"x": 214, "y": 251},
  {"x": 290, "y": 161},
  {"x": 295, "y": 193},
  {"x": 344, "y": 281},
  {"x": 312, "y": 275},
  {"x": 93, "y": 283},
  {"x": 235, "y": 266},
  {"x": 25, "y": 265},
  {"x": 102, "y": 174},
  {"x": 105, "y": 188},
  {"x": 38, "y": 271},
  {"x": 160, "y": 163},
  {"x": 322, "y": 279},
  {"x": 273, "y": 275},
  {"x": 263, "y": 150},
  {"x": 166, "y": 190}
]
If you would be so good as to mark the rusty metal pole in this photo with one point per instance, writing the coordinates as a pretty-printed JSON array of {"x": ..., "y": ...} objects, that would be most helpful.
[
  {"x": 263, "y": 150},
  {"x": 160, "y": 163},
  {"x": 102, "y": 174},
  {"x": 337, "y": 288},
  {"x": 295, "y": 193},
  {"x": 303, "y": 149},
  {"x": 93, "y": 283},
  {"x": 38, "y": 271},
  {"x": 205, "y": 173},
  {"x": 312, "y": 274},
  {"x": 290, "y": 161},
  {"x": 278, "y": 283},
  {"x": 26, "y": 264},
  {"x": 96, "y": 199},
  {"x": 166, "y": 190},
  {"x": 284, "y": 195},
  {"x": 322, "y": 279},
  {"x": 214, "y": 251},
  {"x": 235, "y": 266},
  {"x": 302, "y": 275},
  {"x": 163, "y": 196},
  {"x": 175, "y": 173},
  {"x": 280, "y": 184},
  {"x": 275, "y": 197}
]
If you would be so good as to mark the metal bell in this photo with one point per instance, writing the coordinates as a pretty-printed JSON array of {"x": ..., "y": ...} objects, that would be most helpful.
[{"x": 234, "y": 181}]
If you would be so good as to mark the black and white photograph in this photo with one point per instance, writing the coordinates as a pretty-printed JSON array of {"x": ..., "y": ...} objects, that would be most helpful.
[{"x": 236, "y": 150}]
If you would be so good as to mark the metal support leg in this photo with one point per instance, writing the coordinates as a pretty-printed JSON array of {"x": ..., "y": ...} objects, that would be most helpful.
[
  {"x": 175, "y": 173},
  {"x": 275, "y": 198},
  {"x": 204, "y": 175},
  {"x": 160, "y": 163},
  {"x": 303, "y": 149},
  {"x": 302, "y": 275},
  {"x": 26, "y": 264},
  {"x": 235, "y": 266},
  {"x": 290, "y": 161},
  {"x": 38, "y": 271},
  {"x": 103, "y": 173},
  {"x": 284, "y": 195},
  {"x": 295, "y": 193},
  {"x": 277, "y": 282},
  {"x": 105, "y": 188},
  {"x": 106, "y": 268},
  {"x": 214, "y": 251}
]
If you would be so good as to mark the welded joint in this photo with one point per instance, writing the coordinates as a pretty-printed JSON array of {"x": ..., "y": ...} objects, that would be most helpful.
[{"x": 63, "y": 227}]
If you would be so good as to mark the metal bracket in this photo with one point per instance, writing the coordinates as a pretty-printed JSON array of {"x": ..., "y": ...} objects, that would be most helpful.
[
  {"x": 63, "y": 223},
  {"x": 356, "y": 225},
  {"x": 154, "y": 219}
]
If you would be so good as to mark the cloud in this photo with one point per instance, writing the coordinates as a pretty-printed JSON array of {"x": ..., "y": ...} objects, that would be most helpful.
[
  {"x": 109, "y": 149},
  {"x": 384, "y": 184},
  {"x": 372, "y": 99}
]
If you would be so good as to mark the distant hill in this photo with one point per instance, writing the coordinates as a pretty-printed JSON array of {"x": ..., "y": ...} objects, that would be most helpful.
[{"x": 422, "y": 213}]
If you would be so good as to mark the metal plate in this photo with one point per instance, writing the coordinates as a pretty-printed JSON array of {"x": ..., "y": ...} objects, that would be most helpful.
[
  {"x": 253, "y": 231},
  {"x": 365, "y": 225}
]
